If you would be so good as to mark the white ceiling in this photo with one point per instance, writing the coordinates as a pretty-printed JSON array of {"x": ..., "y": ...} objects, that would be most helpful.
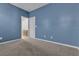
[{"x": 29, "y": 6}]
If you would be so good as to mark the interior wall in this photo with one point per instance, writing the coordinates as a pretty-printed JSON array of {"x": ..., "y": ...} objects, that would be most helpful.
[
  {"x": 58, "y": 22},
  {"x": 54, "y": 22},
  {"x": 10, "y": 21}
]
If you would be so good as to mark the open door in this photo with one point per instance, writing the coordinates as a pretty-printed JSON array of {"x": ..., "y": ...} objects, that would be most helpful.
[
  {"x": 24, "y": 27},
  {"x": 32, "y": 27}
]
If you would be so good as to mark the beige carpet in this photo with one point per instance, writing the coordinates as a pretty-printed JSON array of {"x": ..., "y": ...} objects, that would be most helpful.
[{"x": 20, "y": 48}]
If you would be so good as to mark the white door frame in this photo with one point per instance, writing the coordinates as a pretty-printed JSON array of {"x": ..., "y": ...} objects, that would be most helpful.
[
  {"x": 22, "y": 25},
  {"x": 32, "y": 27}
]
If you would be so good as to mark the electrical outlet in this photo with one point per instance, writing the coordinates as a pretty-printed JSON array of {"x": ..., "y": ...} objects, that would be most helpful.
[
  {"x": 1, "y": 38},
  {"x": 51, "y": 37}
]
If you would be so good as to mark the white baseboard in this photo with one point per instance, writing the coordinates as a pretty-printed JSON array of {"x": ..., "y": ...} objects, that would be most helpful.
[
  {"x": 9, "y": 41},
  {"x": 57, "y": 43}
]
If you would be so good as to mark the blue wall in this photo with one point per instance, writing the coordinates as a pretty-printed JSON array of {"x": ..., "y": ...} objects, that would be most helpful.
[
  {"x": 10, "y": 22},
  {"x": 60, "y": 21}
]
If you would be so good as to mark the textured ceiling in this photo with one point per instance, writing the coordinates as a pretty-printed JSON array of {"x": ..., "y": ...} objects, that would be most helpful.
[{"x": 29, "y": 6}]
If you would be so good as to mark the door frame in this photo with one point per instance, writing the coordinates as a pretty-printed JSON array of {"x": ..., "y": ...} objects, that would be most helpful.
[
  {"x": 34, "y": 26},
  {"x": 21, "y": 24}
]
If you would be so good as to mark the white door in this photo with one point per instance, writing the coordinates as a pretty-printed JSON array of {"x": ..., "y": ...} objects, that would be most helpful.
[{"x": 32, "y": 27}]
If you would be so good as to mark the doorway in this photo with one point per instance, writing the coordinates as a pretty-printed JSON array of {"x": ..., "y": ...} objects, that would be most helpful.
[
  {"x": 24, "y": 27},
  {"x": 27, "y": 27}
]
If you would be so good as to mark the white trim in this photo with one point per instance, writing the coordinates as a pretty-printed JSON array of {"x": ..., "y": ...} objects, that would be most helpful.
[
  {"x": 57, "y": 43},
  {"x": 32, "y": 26},
  {"x": 10, "y": 41},
  {"x": 23, "y": 18}
]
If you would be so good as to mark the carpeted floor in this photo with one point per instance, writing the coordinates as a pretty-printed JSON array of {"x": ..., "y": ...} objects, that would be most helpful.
[
  {"x": 20, "y": 48},
  {"x": 30, "y": 47}
]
